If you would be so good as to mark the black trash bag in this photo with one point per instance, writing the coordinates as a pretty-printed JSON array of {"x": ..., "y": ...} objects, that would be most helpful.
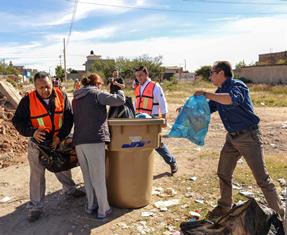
[
  {"x": 124, "y": 111},
  {"x": 249, "y": 218},
  {"x": 62, "y": 159}
]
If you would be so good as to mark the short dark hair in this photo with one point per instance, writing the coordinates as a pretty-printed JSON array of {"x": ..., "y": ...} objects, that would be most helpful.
[
  {"x": 41, "y": 75},
  {"x": 225, "y": 66},
  {"x": 114, "y": 70},
  {"x": 142, "y": 68}
]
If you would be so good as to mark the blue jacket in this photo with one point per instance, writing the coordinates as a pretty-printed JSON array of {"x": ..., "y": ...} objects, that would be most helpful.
[{"x": 240, "y": 114}]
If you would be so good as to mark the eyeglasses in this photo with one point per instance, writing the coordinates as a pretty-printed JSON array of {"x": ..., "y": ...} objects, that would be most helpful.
[{"x": 213, "y": 72}]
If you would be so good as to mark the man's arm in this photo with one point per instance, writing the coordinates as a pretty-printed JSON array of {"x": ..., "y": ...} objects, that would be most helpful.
[
  {"x": 158, "y": 92},
  {"x": 222, "y": 98},
  {"x": 116, "y": 99},
  {"x": 21, "y": 119},
  {"x": 119, "y": 83}
]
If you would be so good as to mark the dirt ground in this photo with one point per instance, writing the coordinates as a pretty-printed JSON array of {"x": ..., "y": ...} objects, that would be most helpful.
[{"x": 66, "y": 216}]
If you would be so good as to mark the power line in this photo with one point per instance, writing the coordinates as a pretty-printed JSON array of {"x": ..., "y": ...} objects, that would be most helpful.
[
  {"x": 181, "y": 10},
  {"x": 72, "y": 21},
  {"x": 237, "y": 3}
]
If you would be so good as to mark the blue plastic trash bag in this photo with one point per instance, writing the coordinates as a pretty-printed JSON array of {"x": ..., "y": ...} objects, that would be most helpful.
[
  {"x": 143, "y": 115},
  {"x": 192, "y": 121}
]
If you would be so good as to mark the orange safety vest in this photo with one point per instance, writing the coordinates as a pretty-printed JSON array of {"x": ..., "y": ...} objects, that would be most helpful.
[
  {"x": 41, "y": 118},
  {"x": 144, "y": 101},
  {"x": 77, "y": 86}
]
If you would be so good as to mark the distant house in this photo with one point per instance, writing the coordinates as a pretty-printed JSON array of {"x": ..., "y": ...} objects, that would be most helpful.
[
  {"x": 76, "y": 74},
  {"x": 272, "y": 58},
  {"x": 91, "y": 59},
  {"x": 270, "y": 69},
  {"x": 171, "y": 71}
]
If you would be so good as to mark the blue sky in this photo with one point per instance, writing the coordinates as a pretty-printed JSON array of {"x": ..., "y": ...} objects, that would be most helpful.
[{"x": 196, "y": 31}]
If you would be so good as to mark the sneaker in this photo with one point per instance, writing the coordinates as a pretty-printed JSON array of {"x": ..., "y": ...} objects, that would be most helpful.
[
  {"x": 92, "y": 211},
  {"x": 34, "y": 214},
  {"x": 77, "y": 193},
  {"x": 216, "y": 213},
  {"x": 173, "y": 168},
  {"x": 101, "y": 217}
]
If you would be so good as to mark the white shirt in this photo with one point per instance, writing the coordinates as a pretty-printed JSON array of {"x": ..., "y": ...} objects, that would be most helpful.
[{"x": 158, "y": 97}]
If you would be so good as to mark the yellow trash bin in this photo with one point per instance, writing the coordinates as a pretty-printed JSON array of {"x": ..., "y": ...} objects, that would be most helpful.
[{"x": 129, "y": 162}]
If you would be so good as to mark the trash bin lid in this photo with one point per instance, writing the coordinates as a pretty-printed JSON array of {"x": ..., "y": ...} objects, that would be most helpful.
[{"x": 135, "y": 122}]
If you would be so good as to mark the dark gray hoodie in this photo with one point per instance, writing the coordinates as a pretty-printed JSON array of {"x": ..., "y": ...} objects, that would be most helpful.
[{"x": 90, "y": 114}]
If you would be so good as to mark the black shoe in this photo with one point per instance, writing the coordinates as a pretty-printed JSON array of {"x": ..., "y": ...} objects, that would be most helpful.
[
  {"x": 216, "y": 213},
  {"x": 77, "y": 193},
  {"x": 173, "y": 168},
  {"x": 34, "y": 215}
]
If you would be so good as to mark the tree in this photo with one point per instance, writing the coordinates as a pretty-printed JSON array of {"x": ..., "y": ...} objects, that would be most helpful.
[
  {"x": 60, "y": 72},
  {"x": 240, "y": 64},
  {"x": 104, "y": 67},
  {"x": 204, "y": 72},
  {"x": 8, "y": 70},
  {"x": 127, "y": 66},
  {"x": 153, "y": 64}
]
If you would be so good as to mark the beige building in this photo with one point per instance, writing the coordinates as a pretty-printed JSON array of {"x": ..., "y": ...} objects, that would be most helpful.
[{"x": 91, "y": 59}]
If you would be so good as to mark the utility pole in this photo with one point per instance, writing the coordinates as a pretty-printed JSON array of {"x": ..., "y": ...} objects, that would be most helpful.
[
  {"x": 65, "y": 69},
  {"x": 184, "y": 64}
]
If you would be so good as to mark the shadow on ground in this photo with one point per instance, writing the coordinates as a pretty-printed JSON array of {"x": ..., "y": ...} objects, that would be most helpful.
[{"x": 62, "y": 215}]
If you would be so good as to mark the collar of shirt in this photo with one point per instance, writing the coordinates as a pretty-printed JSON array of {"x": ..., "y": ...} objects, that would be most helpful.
[
  {"x": 226, "y": 83},
  {"x": 142, "y": 87}
]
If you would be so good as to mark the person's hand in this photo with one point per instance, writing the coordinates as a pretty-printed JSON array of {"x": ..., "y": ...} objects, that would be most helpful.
[
  {"x": 39, "y": 135},
  {"x": 179, "y": 109},
  {"x": 56, "y": 142},
  {"x": 164, "y": 125}
]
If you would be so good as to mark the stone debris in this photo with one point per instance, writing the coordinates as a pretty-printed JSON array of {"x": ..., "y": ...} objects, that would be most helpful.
[
  {"x": 247, "y": 194},
  {"x": 273, "y": 145},
  {"x": 147, "y": 214},
  {"x": 236, "y": 186},
  {"x": 193, "y": 178},
  {"x": 123, "y": 225},
  {"x": 163, "y": 205},
  {"x": 284, "y": 125},
  {"x": 282, "y": 182},
  {"x": 200, "y": 201},
  {"x": 142, "y": 228},
  {"x": 194, "y": 214},
  {"x": 157, "y": 190},
  {"x": 168, "y": 192},
  {"x": 5, "y": 199},
  {"x": 184, "y": 206}
]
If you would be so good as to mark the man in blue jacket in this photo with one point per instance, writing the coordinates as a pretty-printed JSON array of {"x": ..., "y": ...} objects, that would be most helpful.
[{"x": 244, "y": 138}]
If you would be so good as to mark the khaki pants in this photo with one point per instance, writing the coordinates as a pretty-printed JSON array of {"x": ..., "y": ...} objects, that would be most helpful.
[
  {"x": 250, "y": 146},
  {"x": 37, "y": 178},
  {"x": 92, "y": 161}
]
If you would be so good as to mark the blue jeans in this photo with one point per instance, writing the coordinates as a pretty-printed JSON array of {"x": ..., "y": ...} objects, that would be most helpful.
[{"x": 165, "y": 154}]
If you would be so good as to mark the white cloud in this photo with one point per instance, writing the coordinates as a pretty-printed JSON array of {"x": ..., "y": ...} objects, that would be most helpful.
[
  {"x": 234, "y": 41},
  {"x": 84, "y": 10}
]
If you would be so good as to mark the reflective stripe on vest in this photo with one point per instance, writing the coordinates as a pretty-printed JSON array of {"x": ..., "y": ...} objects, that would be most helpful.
[
  {"x": 144, "y": 101},
  {"x": 40, "y": 118}
]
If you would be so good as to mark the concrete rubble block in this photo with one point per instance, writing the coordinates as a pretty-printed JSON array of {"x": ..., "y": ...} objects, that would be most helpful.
[{"x": 12, "y": 94}]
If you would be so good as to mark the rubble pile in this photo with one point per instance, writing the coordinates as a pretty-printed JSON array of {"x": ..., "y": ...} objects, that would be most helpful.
[{"x": 12, "y": 144}]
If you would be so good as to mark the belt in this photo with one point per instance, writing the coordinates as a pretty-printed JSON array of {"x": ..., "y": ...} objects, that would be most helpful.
[{"x": 243, "y": 131}]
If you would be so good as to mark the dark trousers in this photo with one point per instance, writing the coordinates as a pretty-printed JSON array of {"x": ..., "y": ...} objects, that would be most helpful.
[{"x": 250, "y": 146}]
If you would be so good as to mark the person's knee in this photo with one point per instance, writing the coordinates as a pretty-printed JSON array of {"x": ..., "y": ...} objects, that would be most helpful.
[{"x": 224, "y": 176}]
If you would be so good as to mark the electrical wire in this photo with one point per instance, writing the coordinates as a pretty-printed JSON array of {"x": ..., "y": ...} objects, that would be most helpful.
[
  {"x": 72, "y": 21},
  {"x": 237, "y": 3},
  {"x": 184, "y": 10}
]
